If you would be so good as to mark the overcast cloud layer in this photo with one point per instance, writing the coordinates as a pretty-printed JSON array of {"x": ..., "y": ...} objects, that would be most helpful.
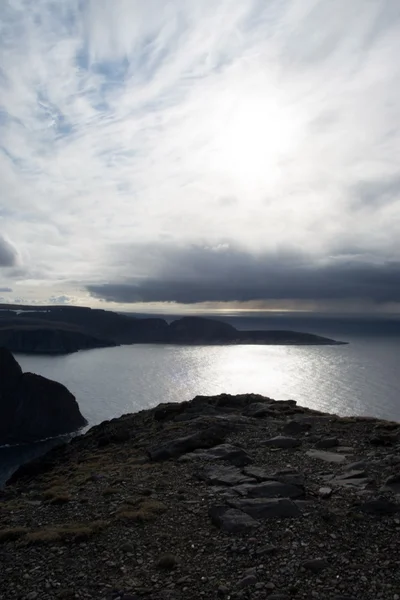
[{"x": 200, "y": 151}]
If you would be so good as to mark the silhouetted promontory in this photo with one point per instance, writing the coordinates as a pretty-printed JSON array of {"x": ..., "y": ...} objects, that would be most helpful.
[
  {"x": 65, "y": 329},
  {"x": 33, "y": 407}
]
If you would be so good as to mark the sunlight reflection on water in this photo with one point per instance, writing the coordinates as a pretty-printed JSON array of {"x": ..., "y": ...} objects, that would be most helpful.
[{"x": 360, "y": 378}]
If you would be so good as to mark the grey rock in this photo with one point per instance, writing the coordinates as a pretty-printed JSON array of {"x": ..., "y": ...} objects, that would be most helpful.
[
  {"x": 232, "y": 454},
  {"x": 259, "y": 409},
  {"x": 325, "y": 492},
  {"x": 332, "y": 457},
  {"x": 281, "y": 441},
  {"x": 316, "y": 565},
  {"x": 328, "y": 442},
  {"x": 392, "y": 484},
  {"x": 260, "y": 508},
  {"x": 279, "y": 597},
  {"x": 224, "y": 475},
  {"x": 202, "y": 439},
  {"x": 269, "y": 489},
  {"x": 380, "y": 506},
  {"x": 284, "y": 476},
  {"x": 231, "y": 520},
  {"x": 351, "y": 479},
  {"x": 296, "y": 426},
  {"x": 359, "y": 465},
  {"x": 247, "y": 581}
]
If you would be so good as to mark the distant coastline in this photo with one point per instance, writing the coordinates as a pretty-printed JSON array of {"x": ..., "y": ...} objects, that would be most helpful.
[{"x": 66, "y": 329}]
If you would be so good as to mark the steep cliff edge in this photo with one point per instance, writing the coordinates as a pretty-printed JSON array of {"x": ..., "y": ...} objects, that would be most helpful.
[{"x": 32, "y": 407}]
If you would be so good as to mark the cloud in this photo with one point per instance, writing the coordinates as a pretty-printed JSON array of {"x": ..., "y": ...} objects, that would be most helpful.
[
  {"x": 265, "y": 125},
  {"x": 8, "y": 255},
  {"x": 63, "y": 299},
  {"x": 227, "y": 274},
  {"x": 5, "y": 289}
]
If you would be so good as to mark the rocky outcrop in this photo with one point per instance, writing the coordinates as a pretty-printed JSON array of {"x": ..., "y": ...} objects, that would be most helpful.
[
  {"x": 32, "y": 407},
  {"x": 189, "y": 501}
]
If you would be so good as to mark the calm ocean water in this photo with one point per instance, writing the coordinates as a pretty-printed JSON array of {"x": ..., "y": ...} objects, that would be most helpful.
[{"x": 361, "y": 378}]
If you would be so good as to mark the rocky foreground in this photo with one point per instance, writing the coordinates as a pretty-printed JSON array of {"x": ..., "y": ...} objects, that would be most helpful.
[{"x": 221, "y": 497}]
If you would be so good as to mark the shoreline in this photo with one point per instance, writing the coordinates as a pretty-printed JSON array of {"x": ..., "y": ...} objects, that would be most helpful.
[{"x": 220, "y": 497}]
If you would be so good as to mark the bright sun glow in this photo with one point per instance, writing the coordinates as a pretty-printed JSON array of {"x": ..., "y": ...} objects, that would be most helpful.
[{"x": 253, "y": 136}]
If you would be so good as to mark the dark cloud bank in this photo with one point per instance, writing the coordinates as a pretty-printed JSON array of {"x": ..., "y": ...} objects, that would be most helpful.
[{"x": 226, "y": 275}]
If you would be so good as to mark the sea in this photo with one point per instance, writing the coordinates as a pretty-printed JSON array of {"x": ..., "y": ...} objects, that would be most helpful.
[{"x": 359, "y": 378}]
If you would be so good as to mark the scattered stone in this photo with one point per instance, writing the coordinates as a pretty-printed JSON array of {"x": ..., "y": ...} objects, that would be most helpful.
[
  {"x": 258, "y": 508},
  {"x": 316, "y": 565},
  {"x": 281, "y": 441},
  {"x": 231, "y": 520},
  {"x": 325, "y": 443},
  {"x": 326, "y": 456},
  {"x": 325, "y": 492}
]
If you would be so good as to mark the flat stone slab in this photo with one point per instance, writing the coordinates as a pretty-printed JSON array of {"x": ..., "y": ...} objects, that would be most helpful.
[
  {"x": 233, "y": 454},
  {"x": 380, "y": 507},
  {"x": 231, "y": 520},
  {"x": 260, "y": 508},
  {"x": 269, "y": 489},
  {"x": 282, "y": 441},
  {"x": 354, "y": 478},
  {"x": 224, "y": 475},
  {"x": 327, "y": 442},
  {"x": 284, "y": 476},
  {"x": 331, "y": 457}
]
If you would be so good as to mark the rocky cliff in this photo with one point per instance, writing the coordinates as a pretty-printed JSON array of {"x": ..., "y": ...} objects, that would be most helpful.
[
  {"x": 33, "y": 407},
  {"x": 224, "y": 497}
]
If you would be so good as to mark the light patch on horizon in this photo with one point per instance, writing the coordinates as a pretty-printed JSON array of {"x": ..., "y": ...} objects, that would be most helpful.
[{"x": 269, "y": 127}]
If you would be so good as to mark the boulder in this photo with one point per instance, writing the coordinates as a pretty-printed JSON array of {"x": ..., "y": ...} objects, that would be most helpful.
[
  {"x": 177, "y": 447},
  {"x": 33, "y": 407},
  {"x": 231, "y": 520}
]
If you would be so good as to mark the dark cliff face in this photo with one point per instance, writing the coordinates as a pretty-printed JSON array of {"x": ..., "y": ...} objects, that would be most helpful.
[
  {"x": 48, "y": 341},
  {"x": 33, "y": 407}
]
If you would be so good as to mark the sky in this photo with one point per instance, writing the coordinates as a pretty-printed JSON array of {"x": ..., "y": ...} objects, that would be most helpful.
[{"x": 200, "y": 155}]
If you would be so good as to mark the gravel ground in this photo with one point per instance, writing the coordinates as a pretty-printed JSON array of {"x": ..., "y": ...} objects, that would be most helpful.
[{"x": 159, "y": 506}]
